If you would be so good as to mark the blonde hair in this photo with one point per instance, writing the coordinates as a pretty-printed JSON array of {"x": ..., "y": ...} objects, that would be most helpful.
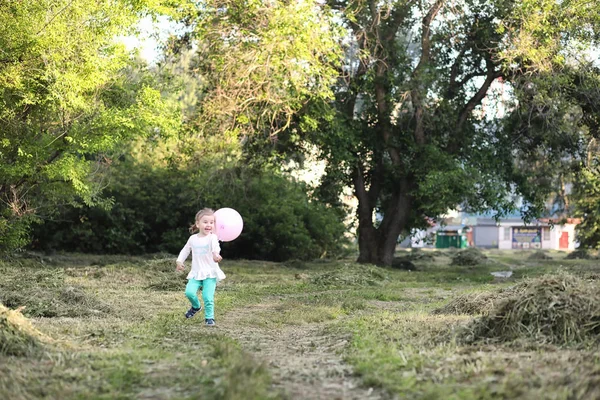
[{"x": 199, "y": 215}]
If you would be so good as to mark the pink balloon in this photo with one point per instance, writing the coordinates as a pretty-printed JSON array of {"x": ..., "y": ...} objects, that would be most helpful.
[{"x": 229, "y": 224}]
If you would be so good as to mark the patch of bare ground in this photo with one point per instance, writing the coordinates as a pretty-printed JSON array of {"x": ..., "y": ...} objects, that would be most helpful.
[{"x": 304, "y": 360}]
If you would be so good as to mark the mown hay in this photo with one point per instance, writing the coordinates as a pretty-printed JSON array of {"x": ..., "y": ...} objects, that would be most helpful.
[
  {"x": 581, "y": 254},
  {"x": 403, "y": 263},
  {"x": 43, "y": 293},
  {"x": 539, "y": 255},
  {"x": 351, "y": 275},
  {"x": 476, "y": 303},
  {"x": 163, "y": 264},
  {"x": 169, "y": 283},
  {"x": 417, "y": 254},
  {"x": 555, "y": 309},
  {"x": 17, "y": 336},
  {"x": 295, "y": 264},
  {"x": 468, "y": 257}
]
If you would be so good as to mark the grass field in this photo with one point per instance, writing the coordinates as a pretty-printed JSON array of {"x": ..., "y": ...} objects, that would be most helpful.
[{"x": 112, "y": 327}]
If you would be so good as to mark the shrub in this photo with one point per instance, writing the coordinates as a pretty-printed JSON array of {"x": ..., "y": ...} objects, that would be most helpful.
[{"x": 153, "y": 208}]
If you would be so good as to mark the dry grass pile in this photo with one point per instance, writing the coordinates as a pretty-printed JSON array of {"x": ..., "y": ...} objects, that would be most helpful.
[
  {"x": 477, "y": 303},
  {"x": 17, "y": 336},
  {"x": 163, "y": 276},
  {"x": 553, "y": 309},
  {"x": 468, "y": 257},
  {"x": 161, "y": 264},
  {"x": 44, "y": 293},
  {"x": 169, "y": 283},
  {"x": 404, "y": 264},
  {"x": 417, "y": 254},
  {"x": 539, "y": 255},
  {"x": 582, "y": 254},
  {"x": 350, "y": 275}
]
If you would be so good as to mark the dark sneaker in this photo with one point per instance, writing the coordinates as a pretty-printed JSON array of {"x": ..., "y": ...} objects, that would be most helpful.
[
  {"x": 210, "y": 322},
  {"x": 192, "y": 311}
]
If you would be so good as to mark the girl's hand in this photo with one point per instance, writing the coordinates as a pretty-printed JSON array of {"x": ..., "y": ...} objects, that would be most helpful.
[
  {"x": 180, "y": 267},
  {"x": 217, "y": 257}
]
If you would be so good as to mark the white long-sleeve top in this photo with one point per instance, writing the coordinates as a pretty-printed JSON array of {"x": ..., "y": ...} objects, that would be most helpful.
[{"x": 202, "y": 249}]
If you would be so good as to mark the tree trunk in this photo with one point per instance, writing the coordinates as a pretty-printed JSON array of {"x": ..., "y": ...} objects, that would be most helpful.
[
  {"x": 368, "y": 251},
  {"x": 377, "y": 246}
]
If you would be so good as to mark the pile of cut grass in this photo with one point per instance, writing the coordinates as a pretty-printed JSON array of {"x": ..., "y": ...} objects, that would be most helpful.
[
  {"x": 169, "y": 283},
  {"x": 476, "y": 303},
  {"x": 468, "y": 257},
  {"x": 560, "y": 309},
  {"x": 44, "y": 293},
  {"x": 17, "y": 336},
  {"x": 350, "y": 275},
  {"x": 403, "y": 263},
  {"x": 539, "y": 255},
  {"x": 418, "y": 254},
  {"x": 582, "y": 254}
]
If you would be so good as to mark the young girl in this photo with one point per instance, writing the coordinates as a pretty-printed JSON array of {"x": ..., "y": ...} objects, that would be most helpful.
[{"x": 205, "y": 272}]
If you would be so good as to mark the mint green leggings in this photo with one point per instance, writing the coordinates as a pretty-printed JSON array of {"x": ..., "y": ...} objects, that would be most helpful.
[{"x": 208, "y": 295}]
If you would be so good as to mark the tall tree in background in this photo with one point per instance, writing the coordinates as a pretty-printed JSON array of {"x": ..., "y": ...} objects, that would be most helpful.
[
  {"x": 261, "y": 63},
  {"x": 65, "y": 102},
  {"x": 410, "y": 132},
  {"x": 406, "y": 127}
]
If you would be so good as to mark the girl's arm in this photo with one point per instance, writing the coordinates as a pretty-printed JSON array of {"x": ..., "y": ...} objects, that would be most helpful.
[
  {"x": 183, "y": 255},
  {"x": 215, "y": 248}
]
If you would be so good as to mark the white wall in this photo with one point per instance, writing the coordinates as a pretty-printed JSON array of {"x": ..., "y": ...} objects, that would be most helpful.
[
  {"x": 553, "y": 243},
  {"x": 505, "y": 242}
]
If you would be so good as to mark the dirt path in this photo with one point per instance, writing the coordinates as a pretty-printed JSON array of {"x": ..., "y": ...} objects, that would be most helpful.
[{"x": 303, "y": 360}]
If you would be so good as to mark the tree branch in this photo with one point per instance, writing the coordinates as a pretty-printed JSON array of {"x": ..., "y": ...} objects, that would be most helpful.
[
  {"x": 423, "y": 61},
  {"x": 364, "y": 206},
  {"x": 492, "y": 74}
]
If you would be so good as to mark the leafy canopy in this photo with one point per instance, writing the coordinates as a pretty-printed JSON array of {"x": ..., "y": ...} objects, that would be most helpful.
[{"x": 65, "y": 103}]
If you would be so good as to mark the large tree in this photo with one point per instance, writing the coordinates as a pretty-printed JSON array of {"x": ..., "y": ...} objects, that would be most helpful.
[
  {"x": 430, "y": 113},
  {"x": 438, "y": 104},
  {"x": 67, "y": 99}
]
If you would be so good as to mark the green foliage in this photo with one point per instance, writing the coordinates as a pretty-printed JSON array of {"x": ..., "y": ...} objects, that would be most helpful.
[
  {"x": 587, "y": 201},
  {"x": 420, "y": 126},
  {"x": 68, "y": 99},
  {"x": 153, "y": 207},
  {"x": 262, "y": 61}
]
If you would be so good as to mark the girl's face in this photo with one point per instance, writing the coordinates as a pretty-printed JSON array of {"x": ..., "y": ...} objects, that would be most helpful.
[{"x": 206, "y": 224}]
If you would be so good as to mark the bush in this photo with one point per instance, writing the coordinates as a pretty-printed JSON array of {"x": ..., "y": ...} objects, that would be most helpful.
[
  {"x": 14, "y": 231},
  {"x": 153, "y": 208}
]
